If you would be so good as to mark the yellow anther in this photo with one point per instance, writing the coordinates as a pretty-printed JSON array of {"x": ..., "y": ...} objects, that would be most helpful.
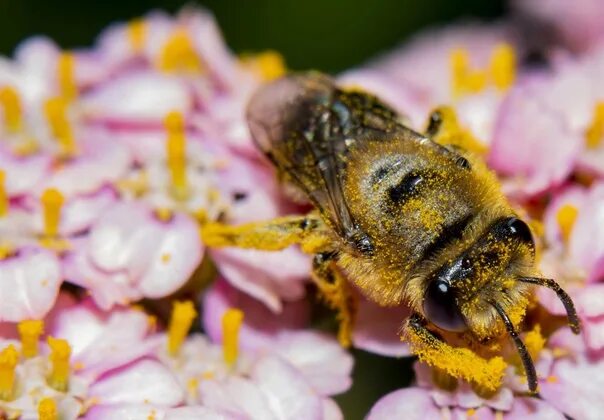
[
  {"x": 470, "y": 412},
  {"x": 231, "y": 323},
  {"x": 183, "y": 314},
  {"x": 30, "y": 332},
  {"x": 566, "y": 218},
  {"x": 534, "y": 342},
  {"x": 552, "y": 379},
  {"x": 176, "y": 153},
  {"x": 60, "y": 351},
  {"x": 47, "y": 409},
  {"x": 52, "y": 201},
  {"x": 137, "y": 34},
  {"x": 66, "y": 76},
  {"x": 178, "y": 54},
  {"x": 56, "y": 111},
  {"x": 11, "y": 107},
  {"x": 503, "y": 66},
  {"x": 270, "y": 65},
  {"x": 9, "y": 357},
  {"x": 6, "y": 250},
  {"x": 464, "y": 79},
  {"x": 192, "y": 386},
  {"x": 595, "y": 131},
  {"x": 451, "y": 132},
  {"x": 164, "y": 214},
  {"x": 4, "y": 203}
]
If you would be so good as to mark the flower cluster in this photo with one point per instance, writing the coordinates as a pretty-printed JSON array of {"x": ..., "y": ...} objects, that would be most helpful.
[{"x": 113, "y": 157}]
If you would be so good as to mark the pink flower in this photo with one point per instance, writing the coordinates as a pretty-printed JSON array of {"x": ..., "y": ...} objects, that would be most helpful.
[{"x": 134, "y": 252}]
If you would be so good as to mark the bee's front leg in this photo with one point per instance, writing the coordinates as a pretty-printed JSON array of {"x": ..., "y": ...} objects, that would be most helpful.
[
  {"x": 337, "y": 293},
  {"x": 272, "y": 235},
  {"x": 457, "y": 362}
]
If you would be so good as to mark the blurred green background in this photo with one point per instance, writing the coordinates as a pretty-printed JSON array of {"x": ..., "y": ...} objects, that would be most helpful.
[
  {"x": 330, "y": 35},
  {"x": 323, "y": 34}
]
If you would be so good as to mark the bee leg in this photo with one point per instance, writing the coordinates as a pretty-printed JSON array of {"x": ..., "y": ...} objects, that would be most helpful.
[
  {"x": 444, "y": 128},
  {"x": 336, "y": 292},
  {"x": 271, "y": 235},
  {"x": 456, "y": 361}
]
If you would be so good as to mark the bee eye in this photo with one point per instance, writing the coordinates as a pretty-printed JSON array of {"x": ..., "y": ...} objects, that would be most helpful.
[
  {"x": 519, "y": 229},
  {"x": 440, "y": 307},
  {"x": 408, "y": 185}
]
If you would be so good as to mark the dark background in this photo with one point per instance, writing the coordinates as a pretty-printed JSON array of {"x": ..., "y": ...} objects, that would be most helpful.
[{"x": 329, "y": 35}]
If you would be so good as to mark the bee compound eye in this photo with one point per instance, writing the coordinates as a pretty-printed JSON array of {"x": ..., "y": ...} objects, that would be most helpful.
[
  {"x": 440, "y": 307},
  {"x": 520, "y": 229}
]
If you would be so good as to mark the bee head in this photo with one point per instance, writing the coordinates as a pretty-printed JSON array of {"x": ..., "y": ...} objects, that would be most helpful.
[{"x": 457, "y": 295}]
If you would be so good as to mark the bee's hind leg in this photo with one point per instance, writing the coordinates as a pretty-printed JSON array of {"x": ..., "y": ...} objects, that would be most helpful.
[
  {"x": 336, "y": 292},
  {"x": 456, "y": 361},
  {"x": 272, "y": 235}
]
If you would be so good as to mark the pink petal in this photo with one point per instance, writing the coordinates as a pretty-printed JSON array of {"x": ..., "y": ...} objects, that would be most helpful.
[
  {"x": 331, "y": 410},
  {"x": 532, "y": 144},
  {"x": 533, "y": 409},
  {"x": 408, "y": 403},
  {"x": 146, "y": 381},
  {"x": 23, "y": 174},
  {"x": 30, "y": 284},
  {"x": 257, "y": 273},
  {"x": 161, "y": 256},
  {"x": 260, "y": 326},
  {"x": 137, "y": 98},
  {"x": 377, "y": 329},
  {"x": 147, "y": 411}
]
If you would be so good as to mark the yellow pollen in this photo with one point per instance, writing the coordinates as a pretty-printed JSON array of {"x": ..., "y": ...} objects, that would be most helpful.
[
  {"x": 552, "y": 379},
  {"x": 566, "y": 218},
  {"x": 6, "y": 250},
  {"x": 503, "y": 66},
  {"x": 4, "y": 203},
  {"x": 47, "y": 409},
  {"x": 9, "y": 357},
  {"x": 30, "y": 332},
  {"x": 595, "y": 131},
  {"x": 66, "y": 76},
  {"x": 59, "y": 359},
  {"x": 231, "y": 323},
  {"x": 270, "y": 65},
  {"x": 534, "y": 342},
  {"x": 11, "y": 106},
  {"x": 176, "y": 153},
  {"x": 178, "y": 54},
  {"x": 163, "y": 214},
  {"x": 464, "y": 79},
  {"x": 192, "y": 385},
  {"x": 470, "y": 412},
  {"x": 137, "y": 34},
  {"x": 183, "y": 314},
  {"x": 52, "y": 201},
  {"x": 55, "y": 110}
]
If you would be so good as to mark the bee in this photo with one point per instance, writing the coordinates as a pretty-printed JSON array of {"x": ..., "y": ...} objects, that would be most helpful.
[{"x": 404, "y": 217}]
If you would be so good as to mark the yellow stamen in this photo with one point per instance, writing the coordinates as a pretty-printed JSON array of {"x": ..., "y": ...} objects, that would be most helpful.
[
  {"x": 30, "y": 332},
  {"x": 270, "y": 65},
  {"x": 470, "y": 412},
  {"x": 11, "y": 106},
  {"x": 4, "y": 203},
  {"x": 52, "y": 201},
  {"x": 59, "y": 359},
  {"x": 231, "y": 323},
  {"x": 9, "y": 357},
  {"x": 464, "y": 79},
  {"x": 452, "y": 133},
  {"x": 595, "y": 132},
  {"x": 47, "y": 409},
  {"x": 56, "y": 113},
  {"x": 176, "y": 151},
  {"x": 6, "y": 250},
  {"x": 566, "y": 218},
  {"x": 503, "y": 66},
  {"x": 183, "y": 314},
  {"x": 164, "y": 214},
  {"x": 66, "y": 76},
  {"x": 178, "y": 54},
  {"x": 552, "y": 379},
  {"x": 137, "y": 34}
]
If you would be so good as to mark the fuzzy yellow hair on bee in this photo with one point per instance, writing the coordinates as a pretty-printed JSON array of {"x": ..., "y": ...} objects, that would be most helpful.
[{"x": 407, "y": 218}]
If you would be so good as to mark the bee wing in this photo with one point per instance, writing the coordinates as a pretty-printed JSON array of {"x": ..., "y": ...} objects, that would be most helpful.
[{"x": 306, "y": 126}]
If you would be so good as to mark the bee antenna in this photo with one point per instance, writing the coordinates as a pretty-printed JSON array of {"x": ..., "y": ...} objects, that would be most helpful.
[
  {"x": 527, "y": 361},
  {"x": 571, "y": 312}
]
